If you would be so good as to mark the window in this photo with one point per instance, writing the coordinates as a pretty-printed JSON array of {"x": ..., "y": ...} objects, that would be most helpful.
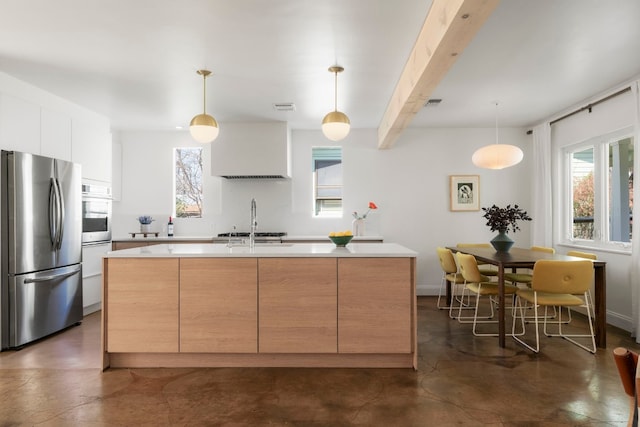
[
  {"x": 583, "y": 195},
  {"x": 188, "y": 182},
  {"x": 601, "y": 182},
  {"x": 327, "y": 181}
]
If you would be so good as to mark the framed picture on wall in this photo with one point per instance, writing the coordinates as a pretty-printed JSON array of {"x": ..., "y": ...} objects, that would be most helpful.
[{"x": 464, "y": 192}]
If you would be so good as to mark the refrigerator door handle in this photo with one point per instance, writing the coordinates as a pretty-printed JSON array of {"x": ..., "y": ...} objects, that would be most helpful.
[
  {"x": 52, "y": 277},
  {"x": 60, "y": 214},
  {"x": 53, "y": 212}
]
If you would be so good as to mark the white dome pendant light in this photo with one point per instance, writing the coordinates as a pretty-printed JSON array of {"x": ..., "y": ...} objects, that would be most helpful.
[
  {"x": 497, "y": 156},
  {"x": 203, "y": 127},
  {"x": 336, "y": 125}
]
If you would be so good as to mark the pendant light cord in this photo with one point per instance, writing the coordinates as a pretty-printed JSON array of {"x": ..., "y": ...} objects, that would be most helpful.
[
  {"x": 496, "y": 123},
  {"x": 335, "y": 93},
  {"x": 204, "y": 94}
]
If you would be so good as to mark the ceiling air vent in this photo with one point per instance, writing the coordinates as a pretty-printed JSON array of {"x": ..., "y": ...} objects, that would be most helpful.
[
  {"x": 284, "y": 106},
  {"x": 433, "y": 102}
]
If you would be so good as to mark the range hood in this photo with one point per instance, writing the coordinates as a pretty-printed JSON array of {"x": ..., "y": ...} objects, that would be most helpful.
[{"x": 252, "y": 151}]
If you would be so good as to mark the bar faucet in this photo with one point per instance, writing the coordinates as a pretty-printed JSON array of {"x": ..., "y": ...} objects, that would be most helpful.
[
  {"x": 254, "y": 225},
  {"x": 231, "y": 233}
]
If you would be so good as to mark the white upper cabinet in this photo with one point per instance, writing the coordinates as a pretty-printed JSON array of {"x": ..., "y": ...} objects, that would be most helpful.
[
  {"x": 38, "y": 122},
  {"x": 91, "y": 147},
  {"x": 56, "y": 134},
  {"x": 19, "y": 125}
]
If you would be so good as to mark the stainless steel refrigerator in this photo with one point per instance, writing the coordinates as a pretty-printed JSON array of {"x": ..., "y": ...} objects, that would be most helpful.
[{"x": 41, "y": 247}]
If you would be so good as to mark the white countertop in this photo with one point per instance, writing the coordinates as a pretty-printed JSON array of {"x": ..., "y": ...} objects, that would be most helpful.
[
  {"x": 326, "y": 250},
  {"x": 160, "y": 238},
  {"x": 216, "y": 239}
]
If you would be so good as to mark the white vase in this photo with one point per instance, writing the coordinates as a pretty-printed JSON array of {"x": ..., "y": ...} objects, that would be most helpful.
[
  {"x": 358, "y": 226},
  {"x": 145, "y": 228}
]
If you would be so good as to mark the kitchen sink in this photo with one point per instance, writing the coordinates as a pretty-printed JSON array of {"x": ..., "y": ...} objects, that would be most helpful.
[{"x": 263, "y": 245}]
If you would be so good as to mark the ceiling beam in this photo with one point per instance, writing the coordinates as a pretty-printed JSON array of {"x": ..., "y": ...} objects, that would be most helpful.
[{"x": 449, "y": 27}]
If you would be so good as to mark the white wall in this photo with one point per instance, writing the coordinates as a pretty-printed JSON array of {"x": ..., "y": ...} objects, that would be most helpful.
[
  {"x": 607, "y": 117},
  {"x": 409, "y": 183}
]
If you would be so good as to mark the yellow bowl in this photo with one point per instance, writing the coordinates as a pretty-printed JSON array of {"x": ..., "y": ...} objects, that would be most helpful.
[{"x": 341, "y": 241}]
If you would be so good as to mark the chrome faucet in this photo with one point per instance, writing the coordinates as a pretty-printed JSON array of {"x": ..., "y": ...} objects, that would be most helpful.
[
  {"x": 231, "y": 233},
  {"x": 254, "y": 224}
]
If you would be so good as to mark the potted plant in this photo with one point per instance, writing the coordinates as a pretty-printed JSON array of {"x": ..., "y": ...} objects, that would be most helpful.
[
  {"x": 501, "y": 220},
  {"x": 145, "y": 223}
]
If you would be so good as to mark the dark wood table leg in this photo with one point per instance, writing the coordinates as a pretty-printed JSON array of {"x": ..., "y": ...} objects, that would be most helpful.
[
  {"x": 600, "y": 306},
  {"x": 501, "y": 307}
]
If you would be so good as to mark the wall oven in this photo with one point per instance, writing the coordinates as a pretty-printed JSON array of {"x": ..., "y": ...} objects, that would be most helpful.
[{"x": 96, "y": 213}]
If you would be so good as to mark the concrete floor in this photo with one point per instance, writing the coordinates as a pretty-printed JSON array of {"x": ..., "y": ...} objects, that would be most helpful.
[{"x": 462, "y": 380}]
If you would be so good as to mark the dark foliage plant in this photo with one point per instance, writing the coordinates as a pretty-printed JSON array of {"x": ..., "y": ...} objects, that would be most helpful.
[{"x": 505, "y": 218}]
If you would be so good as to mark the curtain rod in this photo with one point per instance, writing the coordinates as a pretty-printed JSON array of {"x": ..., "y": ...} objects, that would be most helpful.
[
  {"x": 593, "y": 104},
  {"x": 587, "y": 107}
]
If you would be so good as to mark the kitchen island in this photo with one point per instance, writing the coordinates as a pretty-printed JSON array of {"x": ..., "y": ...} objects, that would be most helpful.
[{"x": 298, "y": 305}]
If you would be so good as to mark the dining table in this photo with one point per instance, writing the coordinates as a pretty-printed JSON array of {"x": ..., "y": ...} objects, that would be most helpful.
[{"x": 517, "y": 258}]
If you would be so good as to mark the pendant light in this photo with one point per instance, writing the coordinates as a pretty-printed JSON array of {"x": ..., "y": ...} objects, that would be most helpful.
[
  {"x": 336, "y": 124},
  {"x": 497, "y": 156},
  {"x": 204, "y": 127}
]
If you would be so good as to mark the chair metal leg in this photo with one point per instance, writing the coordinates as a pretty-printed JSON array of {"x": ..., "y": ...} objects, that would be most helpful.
[
  {"x": 560, "y": 322},
  {"x": 440, "y": 304},
  {"x": 522, "y": 341},
  {"x": 443, "y": 283},
  {"x": 491, "y": 302},
  {"x": 569, "y": 337},
  {"x": 462, "y": 305},
  {"x": 473, "y": 319}
]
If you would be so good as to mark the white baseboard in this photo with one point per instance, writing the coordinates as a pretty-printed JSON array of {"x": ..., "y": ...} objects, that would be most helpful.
[
  {"x": 427, "y": 289},
  {"x": 91, "y": 308},
  {"x": 619, "y": 321}
]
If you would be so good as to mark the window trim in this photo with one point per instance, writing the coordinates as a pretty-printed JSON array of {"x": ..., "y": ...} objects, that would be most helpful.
[
  {"x": 600, "y": 144},
  {"x": 330, "y": 154},
  {"x": 175, "y": 194}
]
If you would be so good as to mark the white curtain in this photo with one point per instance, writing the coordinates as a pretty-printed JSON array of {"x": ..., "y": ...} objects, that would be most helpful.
[
  {"x": 635, "y": 239},
  {"x": 541, "y": 226}
]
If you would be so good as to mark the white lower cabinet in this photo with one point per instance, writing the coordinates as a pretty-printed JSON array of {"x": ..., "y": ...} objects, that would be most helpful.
[{"x": 92, "y": 276}]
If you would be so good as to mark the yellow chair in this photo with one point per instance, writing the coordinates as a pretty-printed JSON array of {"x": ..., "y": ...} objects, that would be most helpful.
[
  {"x": 525, "y": 278},
  {"x": 485, "y": 271},
  {"x": 561, "y": 284},
  {"x": 449, "y": 273},
  {"x": 580, "y": 254},
  {"x": 477, "y": 283}
]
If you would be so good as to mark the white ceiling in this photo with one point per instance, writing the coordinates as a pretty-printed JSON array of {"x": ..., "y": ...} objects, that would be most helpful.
[{"x": 136, "y": 61}]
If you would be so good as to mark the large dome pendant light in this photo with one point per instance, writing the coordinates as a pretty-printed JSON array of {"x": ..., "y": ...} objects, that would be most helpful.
[
  {"x": 336, "y": 125},
  {"x": 497, "y": 156},
  {"x": 204, "y": 127}
]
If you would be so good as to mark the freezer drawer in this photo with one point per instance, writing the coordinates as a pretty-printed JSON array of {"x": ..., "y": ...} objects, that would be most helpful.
[{"x": 43, "y": 303}]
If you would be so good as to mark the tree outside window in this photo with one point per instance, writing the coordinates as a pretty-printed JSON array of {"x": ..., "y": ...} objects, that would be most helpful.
[
  {"x": 602, "y": 190},
  {"x": 583, "y": 207},
  {"x": 188, "y": 182}
]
